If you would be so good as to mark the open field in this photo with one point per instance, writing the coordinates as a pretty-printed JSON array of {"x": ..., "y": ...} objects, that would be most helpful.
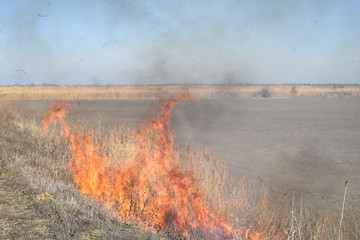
[
  {"x": 153, "y": 92},
  {"x": 304, "y": 148}
]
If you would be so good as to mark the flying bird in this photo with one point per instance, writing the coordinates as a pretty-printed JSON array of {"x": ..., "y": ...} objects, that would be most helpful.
[
  {"x": 20, "y": 70},
  {"x": 40, "y": 15},
  {"x": 109, "y": 43}
]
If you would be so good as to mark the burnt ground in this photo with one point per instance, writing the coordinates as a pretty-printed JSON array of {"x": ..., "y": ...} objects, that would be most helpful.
[{"x": 300, "y": 146}]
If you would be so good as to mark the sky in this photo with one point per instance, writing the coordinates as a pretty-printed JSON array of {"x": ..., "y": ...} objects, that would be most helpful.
[{"x": 179, "y": 42}]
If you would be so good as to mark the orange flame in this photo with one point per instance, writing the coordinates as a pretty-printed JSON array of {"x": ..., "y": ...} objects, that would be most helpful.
[
  {"x": 57, "y": 114},
  {"x": 151, "y": 189}
]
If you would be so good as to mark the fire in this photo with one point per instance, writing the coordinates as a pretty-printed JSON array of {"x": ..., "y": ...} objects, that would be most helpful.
[
  {"x": 151, "y": 189},
  {"x": 57, "y": 114}
]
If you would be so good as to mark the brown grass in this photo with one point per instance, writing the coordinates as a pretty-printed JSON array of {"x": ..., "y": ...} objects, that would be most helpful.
[
  {"x": 153, "y": 92},
  {"x": 41, "y": 161}
]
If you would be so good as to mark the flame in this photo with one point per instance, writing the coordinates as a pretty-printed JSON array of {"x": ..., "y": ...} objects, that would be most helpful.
[
  {"x": 151, "y": 189},
  {"x": 56, "y": 113}
]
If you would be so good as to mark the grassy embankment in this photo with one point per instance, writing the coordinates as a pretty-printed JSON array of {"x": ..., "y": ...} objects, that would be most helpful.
[{"x": 38, "y": 199}]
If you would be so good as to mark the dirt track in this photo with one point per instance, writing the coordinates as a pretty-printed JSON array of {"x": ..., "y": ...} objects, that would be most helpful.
[{"x": 302, "y": 146}]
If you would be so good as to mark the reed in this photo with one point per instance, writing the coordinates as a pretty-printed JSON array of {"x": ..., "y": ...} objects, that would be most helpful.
[{"x": 153, "y": 92}]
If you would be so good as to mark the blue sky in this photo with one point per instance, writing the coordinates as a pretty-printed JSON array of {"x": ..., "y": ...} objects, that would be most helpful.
[{"x": 155, "y": 42}]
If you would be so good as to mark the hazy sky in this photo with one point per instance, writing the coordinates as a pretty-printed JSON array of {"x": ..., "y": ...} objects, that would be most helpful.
[{"x": 143, "y": 42}]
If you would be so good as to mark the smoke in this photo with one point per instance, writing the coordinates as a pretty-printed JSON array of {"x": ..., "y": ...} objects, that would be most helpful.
[
  {"x": 197, "y": 49},
  {"x": 181, "y": 42},
  {"x": 162, "y": 42}
]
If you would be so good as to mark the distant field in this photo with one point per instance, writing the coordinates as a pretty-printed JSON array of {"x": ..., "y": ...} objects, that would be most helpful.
[{"x": 153, "y": 92}]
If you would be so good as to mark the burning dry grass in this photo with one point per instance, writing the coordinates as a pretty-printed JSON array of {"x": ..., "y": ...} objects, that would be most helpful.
[
  {"x": 151, "y": 188},
  {"x": 153, "y": 92},
  {"x": 42, "y": 160}
]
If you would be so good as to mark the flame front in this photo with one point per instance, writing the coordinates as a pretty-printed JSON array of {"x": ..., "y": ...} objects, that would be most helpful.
[{"x": 151, "y": 189}]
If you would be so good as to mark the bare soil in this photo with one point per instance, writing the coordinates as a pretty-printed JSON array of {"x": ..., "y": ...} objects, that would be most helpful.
[{"x": 299, "y": 146}]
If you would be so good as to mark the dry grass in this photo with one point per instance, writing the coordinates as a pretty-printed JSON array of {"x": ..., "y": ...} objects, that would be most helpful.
[
  {"x": 153, "y": 92},
  {"x": 248, "y": 203},
  {"x": 41, "y": 160}
]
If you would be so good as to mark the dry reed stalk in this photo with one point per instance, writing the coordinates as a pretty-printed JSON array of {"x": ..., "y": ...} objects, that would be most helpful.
[{"x": 342, "y": 209}]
